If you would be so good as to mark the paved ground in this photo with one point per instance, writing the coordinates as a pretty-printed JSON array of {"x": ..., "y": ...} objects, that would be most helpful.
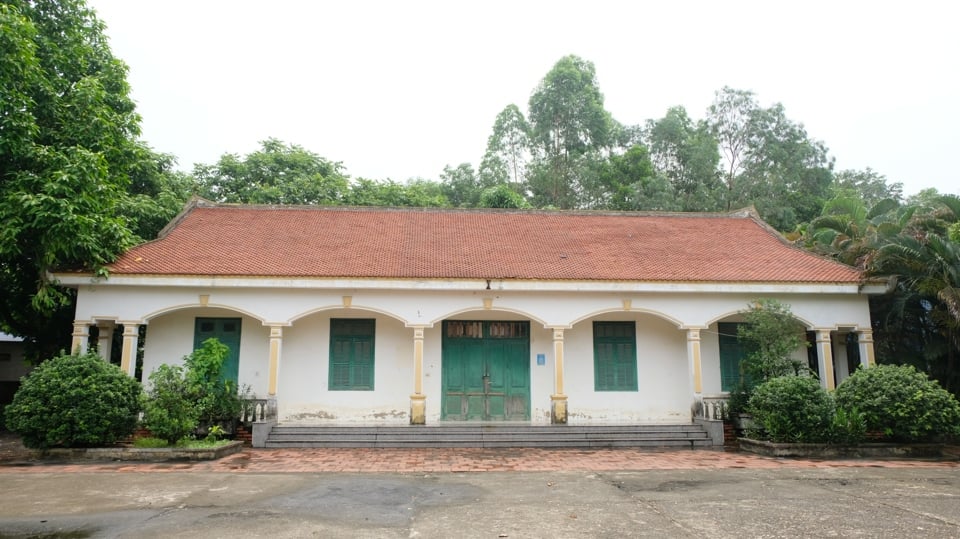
[
  {"x": 463, "y": 460},
  {"x": 479, "y": 493}
]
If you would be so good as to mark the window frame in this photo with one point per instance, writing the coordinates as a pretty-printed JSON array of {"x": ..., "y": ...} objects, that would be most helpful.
[
  {"x": 350, "y": 331},
  {"x": 618, "y": 363}
]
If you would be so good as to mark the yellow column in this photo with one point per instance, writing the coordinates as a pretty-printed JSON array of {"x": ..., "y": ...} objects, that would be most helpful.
[
  {"x": 81, "y": 333},
  {"x": 693, "y": 358},
  {"x": 418, "y": 401},
  {"x": 865, "y": 340},
  {"x": 128, "y": 353},
  {"x": 105, "y": 340},
  {"x": 825, "y": 358},
  {"x": 276, "y": 340},
  {"x": 558, "y": 401}
]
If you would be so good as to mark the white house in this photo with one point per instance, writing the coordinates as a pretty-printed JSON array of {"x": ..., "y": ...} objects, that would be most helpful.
[{"x": 374, "y": 315}]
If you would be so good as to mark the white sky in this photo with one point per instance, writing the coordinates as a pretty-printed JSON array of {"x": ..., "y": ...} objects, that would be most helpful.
[{"x": 398, "y": 89}]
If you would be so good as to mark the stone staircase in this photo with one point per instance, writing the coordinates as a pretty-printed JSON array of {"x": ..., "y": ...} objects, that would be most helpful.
[{"x": 490, "y": 435}]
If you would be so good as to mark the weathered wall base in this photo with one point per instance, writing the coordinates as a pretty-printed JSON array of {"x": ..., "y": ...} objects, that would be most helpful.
[
  {"x": 869, "y": 450},
  {"x": 141, "y": 453}
]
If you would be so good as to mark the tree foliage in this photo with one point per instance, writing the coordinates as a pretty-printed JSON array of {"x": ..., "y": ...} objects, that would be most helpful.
[
  {"x": 502, "y": 196},
  {"x": 508, "y": 149},
  {"x": 277, "y": 173},
  {"x": 568, "y": 122},
  {"x": 687, "y": 155},
  {"x": 68, "y": 151},
  {"x": 769, "y": 160}
]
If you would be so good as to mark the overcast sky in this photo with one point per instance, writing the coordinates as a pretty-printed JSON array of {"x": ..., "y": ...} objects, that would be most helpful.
[{"x": 398, "y": 90}]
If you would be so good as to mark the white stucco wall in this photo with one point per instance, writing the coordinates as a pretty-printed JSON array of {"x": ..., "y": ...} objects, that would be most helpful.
[
  {"x": 664, "y": 390},
  {"x": 12, "y": 363},
  {"x": 305, "y": 368},
  {"x": 170, "y": 337}
]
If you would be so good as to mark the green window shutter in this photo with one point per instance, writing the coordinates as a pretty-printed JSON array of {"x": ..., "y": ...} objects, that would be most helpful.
[
  {"x": 352, "y": 354},
  {"x": 732, "y": 352},
  {"x": 615, "y": 356}
]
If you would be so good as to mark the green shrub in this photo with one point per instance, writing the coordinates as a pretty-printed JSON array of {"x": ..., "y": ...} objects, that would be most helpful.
[
  {"x": 849, "y": 426},
  {"x": 901, "y": 403},
  {"x": 74, "y": 401},
  {"x": 184, "y": 401},
  {"x": 150, "y": 443},
  {"x": 793, "y": 409},
  {"x": 170, "y": 410}
]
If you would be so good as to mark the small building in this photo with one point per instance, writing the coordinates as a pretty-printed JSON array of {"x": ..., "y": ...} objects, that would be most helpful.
[
  {"x": 424, "y": 316},
  {"x": 13, "y": 366}
]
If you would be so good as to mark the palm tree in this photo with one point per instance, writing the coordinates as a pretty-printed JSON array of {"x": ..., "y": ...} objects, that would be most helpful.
[
  {"x": 850, "y": 232},
  {"x": 927, "y": 266}
]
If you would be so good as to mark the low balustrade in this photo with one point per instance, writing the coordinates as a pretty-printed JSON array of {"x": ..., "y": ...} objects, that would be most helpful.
[
  {"x": 713, "y": 407},
  {"x": 258, "y": 410}
]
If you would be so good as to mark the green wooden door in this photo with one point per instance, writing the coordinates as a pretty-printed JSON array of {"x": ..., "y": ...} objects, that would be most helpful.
[
  {"x": 227, "y": 331},
  {"x": 486, "y": 371}
]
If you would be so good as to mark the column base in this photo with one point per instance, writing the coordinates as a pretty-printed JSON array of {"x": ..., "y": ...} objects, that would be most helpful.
[
  {"x": 418, "y": 409},
  {"x": 558, "y": 409}
]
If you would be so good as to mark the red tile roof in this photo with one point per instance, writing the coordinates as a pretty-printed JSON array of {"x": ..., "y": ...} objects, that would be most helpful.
[{"x": 351, "y": 242}]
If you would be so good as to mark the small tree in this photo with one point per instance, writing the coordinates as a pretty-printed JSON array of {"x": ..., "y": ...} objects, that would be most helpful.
[
  {"x": 74, "y": 401},
  {"x": 182, "y": 399},
  {"x": 217, "y": 399},
  {"x": 773, "y": 335},
  {"x": 170, "y": 411}
]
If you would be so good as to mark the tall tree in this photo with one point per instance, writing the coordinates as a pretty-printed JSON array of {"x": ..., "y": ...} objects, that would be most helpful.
[
  {"x": 461, "y": 185},
  {"x": 508, "y": 149},
  {"x": 770, "y": 161},
  {"x": 918, "y": 322},
  {"x": 628, "y": 181},
  {"x": 686, "y": 154},
  {"x": 67, "y": 151},
  {"x": 277, "y": 173},
  {"x": 157, "y": 193},
  {"x": 730, "y": 117},
  {"x": 568, "y": 121},
  {"x": 868, "y": 185}
]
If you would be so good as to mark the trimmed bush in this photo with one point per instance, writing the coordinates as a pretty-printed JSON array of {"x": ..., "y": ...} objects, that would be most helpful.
[
  {"x": 901, "y": 403},
  {"x": 793, "y": 409},
  {"x": 74, "y": 401}
]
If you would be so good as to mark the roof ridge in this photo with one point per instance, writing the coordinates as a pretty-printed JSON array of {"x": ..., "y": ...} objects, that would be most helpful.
[{"x": 204, "y": 203}]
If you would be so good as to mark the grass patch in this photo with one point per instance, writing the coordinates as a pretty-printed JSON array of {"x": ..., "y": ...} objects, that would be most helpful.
[{"x": 185, "y": 443}]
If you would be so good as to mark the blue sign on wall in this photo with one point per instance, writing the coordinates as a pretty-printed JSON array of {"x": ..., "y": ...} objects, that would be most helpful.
[{"x": 541, "y": 359}]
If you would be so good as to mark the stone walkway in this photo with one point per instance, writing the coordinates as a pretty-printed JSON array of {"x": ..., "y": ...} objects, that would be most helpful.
[{"x": 462, "y": 460}]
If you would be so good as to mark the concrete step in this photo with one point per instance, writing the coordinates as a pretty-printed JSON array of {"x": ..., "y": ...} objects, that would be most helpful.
[{"x": 683, "y": 435}]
